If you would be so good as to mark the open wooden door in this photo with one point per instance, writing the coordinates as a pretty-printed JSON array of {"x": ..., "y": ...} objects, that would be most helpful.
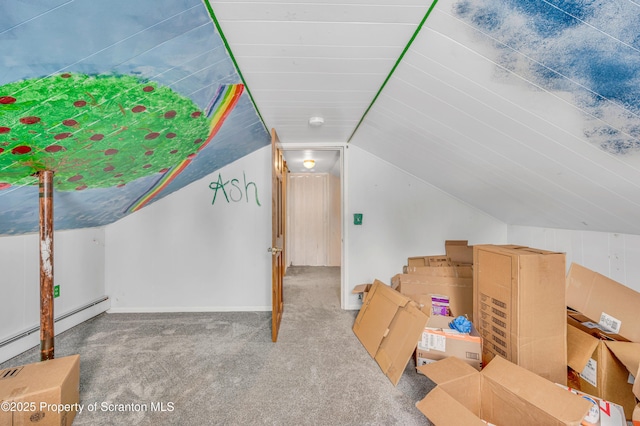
[{"x": 277, "y": 233}]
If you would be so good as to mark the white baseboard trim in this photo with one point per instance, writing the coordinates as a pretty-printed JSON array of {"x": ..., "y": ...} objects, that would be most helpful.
[
  {"x": 173, "y": 309},
  {"x": 28, "y": 339}
]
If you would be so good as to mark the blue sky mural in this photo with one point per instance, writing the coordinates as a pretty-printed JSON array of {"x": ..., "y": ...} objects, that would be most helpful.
[
  {"x": 166, "y": 46},
  {"x": 575, "y": 47}
]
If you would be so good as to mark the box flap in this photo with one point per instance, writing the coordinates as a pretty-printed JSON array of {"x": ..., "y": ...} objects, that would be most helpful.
[
  {"x": 446, "y": 370},
  {"x": 593, "y": 295},
  {"x": 361, "y": 288},
  {"x": 627, "y": 353},
  {"x": 537, "y": 391},
  {"x": 389, "y": 326},
  {"x": 443, "y": 409},
  {"x": 580, "y": 347},
  {"x": 459, "y": 251}
]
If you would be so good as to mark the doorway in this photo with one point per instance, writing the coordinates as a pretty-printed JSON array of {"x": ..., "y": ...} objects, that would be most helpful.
[{"x": 315, "y": 208}]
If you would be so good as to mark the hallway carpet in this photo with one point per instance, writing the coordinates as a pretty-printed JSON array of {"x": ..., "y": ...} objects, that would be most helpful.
[{"x": 221, "y": 368}]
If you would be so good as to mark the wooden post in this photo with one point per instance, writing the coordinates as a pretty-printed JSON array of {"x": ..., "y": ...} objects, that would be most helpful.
[{"x": 46, "y": 265}]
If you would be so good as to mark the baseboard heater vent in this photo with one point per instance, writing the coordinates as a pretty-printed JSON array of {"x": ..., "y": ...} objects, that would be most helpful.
[{"x": 60, "y": 318}]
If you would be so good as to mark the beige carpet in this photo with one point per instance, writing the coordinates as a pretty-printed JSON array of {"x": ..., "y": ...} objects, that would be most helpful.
[{"x": 223, "y": 369}]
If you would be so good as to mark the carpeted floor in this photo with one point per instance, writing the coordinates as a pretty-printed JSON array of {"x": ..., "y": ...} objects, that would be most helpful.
[{"x": 223, "y": 369}]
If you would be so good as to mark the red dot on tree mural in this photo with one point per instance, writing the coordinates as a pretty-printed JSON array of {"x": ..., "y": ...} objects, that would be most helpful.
[
  {"x": 117, "y": 175},
  {"x": 54, "y": 148},
  {"x": 148, "y": 88},
  {"x": 4, "y": 130},
  {"x": 173, "y": 151},
  {"x": 150, "y": 152},
  {"x": 81, "y": 187},
  {"x": 60, "y": 136},
  {"x": 4, "y": 185},
  {"x": 79, "y": 104},
  {"x": 70, "y": 122},
  {"x": 191, "y": 156},
  {"x": 146, "y": 166},
  {"x": 197, "y": 141},
  {"x": 75, "y": 178},
  {"x": 22, "y": 149},
  {"x": 152, "y": 135},
  {"x": 29, "y": 120},
  {"x": 120, "y": 185},
  {"x": 1, "y": 150},
  {"x": 97, "y": 137},
  {"x": 111, "y": 151},
  {"x": 165, "y": 170},
  {"x": 138, "y": 108},
  {"x": 7, "y": 100},
  {"x": 170, "y": 135},
  {"x": 65, "y": 75},
  {"x": 196, "y": 114},
  {"x": 170, "y": 114},
  {"x": 109, "y": 168}
]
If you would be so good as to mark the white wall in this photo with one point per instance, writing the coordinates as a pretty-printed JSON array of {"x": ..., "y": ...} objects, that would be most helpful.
[
  {"x": 183, "y": 253},
  {"x": 616, "y": 256},
  {"x": 78, "y": 269},
  {"x": 403, "y": 217}
]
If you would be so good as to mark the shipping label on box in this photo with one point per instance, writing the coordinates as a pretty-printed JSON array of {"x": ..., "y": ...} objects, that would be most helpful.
[{"x": 439, "y": 341}]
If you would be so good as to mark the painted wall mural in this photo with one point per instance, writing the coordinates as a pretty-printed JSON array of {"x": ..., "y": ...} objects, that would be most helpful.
[
  {"x": 571, "y": 46},
  {"x": 125, "y": 102}
]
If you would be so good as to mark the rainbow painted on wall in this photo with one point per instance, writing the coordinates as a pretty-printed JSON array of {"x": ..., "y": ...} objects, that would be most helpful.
[{"x": 219, "y": 109}]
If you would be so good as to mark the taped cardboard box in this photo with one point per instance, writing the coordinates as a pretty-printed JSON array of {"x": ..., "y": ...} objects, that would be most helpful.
[
  {"x": 520, "y": 311},
  {"x": 502, "y": 393},
  {"x": 422, "y": 288},
  {"x": 389, "y": 325},
  {"x": 45, "y": 393},
  {"x": 439, "y": 341}
]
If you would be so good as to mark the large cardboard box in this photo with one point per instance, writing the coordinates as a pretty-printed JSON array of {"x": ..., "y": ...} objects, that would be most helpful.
[
  {"x": 602, "y": 355},
  {"x": 604, "y": 300},
  {"x": 520, "y": 311},
  {"x": 502, "y": 393},
  {"x": 422, "y": 288},
  {"x": 44, "y": 393},
  {"x": 389, "y": 325},
  {"x": 439, "y": 341},
  {"x": 601, "y": 364}
]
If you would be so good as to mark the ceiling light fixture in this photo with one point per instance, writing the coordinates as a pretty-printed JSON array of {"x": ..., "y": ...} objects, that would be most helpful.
[
  {"x": 316, "y": 121},
  {"x": 309, "y": 163}
]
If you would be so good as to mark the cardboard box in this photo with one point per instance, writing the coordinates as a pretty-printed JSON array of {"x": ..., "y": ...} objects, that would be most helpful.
[
  {"x": 519, "y": 295},
  {"x": 439, "y": 341},
  {"x": 604, "y": 300},
  {"x": 438, "y": 260},
  {"x": 389, "y": 325},
  {"x": 362, "y": 290},
  {"x": 44, "y": 393},
  {"x": 602, "y": 413},
  {"x": 459, "y": 251},
  {"x": 502, "y": 393},
  {"x": 460, "y": 271},
  {"x": 636, "y": 416},
  {"x": 599, "y": 367},
  {"x": 599, "y": 353},
  {"x": 421, "y": 288}
]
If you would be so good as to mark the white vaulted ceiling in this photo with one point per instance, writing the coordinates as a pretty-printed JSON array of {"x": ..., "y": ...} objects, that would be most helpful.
[{"x": 526, "y": 110}]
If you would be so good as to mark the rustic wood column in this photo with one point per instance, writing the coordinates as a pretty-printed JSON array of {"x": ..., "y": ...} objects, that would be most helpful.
[{"x": 46, "y": 265}]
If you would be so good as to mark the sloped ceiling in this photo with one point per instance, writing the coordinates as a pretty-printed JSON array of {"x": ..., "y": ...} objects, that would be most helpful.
[{"x": 525, "y": 110}]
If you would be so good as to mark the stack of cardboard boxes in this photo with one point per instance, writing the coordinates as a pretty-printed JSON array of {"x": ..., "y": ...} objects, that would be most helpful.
[{"x": 530, "y": 321}]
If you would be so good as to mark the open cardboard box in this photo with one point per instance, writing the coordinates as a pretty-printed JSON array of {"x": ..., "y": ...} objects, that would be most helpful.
[
  {"x": 439, "y": 341},
  {"x": 389, "y": 326},
  {"x": 48, "y": 391},
  {"x": 502, "y": 393},
  {"x": 421, "y": 288},
  {"x": 601, "y": 356}
]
